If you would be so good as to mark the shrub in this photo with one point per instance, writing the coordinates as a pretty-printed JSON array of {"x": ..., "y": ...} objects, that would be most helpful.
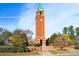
[
  {"x": 20, "y": 49},
  {"x": 76, "y": 47},
  {"x": 37, "y": 44},
  {"x": 10, "y": 49}
]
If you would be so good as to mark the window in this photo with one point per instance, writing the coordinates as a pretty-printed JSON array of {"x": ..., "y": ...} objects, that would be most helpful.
[{"x": 40, "y": 12}]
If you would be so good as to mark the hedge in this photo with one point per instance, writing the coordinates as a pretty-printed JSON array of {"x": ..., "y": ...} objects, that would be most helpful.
[
  {"x": 37, "y": 44},
  {"x": 76, "y": 47},
  {"x": 13, "y": 49}
]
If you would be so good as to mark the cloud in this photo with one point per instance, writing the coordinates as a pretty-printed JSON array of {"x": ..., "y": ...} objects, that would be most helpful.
[{"x": 27, "y": 19}]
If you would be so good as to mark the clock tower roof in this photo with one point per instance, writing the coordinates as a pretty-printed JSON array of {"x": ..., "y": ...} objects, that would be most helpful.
[{"x": 39, "y": 6}]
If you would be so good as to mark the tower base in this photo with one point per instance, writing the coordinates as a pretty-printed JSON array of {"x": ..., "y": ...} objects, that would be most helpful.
[{"x": 42, "y": 42}]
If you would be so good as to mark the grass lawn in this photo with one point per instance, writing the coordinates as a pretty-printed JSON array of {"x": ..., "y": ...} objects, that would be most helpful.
[{"x": 69, "y": 52}]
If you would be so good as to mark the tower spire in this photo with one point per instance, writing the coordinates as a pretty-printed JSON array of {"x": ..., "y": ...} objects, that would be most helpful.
[{"x": 39, "y": 6}]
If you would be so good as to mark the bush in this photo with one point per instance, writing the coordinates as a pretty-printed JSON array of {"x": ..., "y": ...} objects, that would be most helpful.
[
  {"x": 76, "y": 47},
  {"x": 37, "y": 44},
  {"x": 7, "y": 49},
  {"x": 10, "y": 49},
  {"x": 20, "y": 49}
]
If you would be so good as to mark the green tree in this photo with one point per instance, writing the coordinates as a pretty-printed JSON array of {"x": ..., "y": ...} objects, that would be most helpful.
[
  {"x": 1, "y": 40},
  {"x": 1, "y": 36},
  {"x": 15, "y": 40},
  {"x": 71, "y": 32},
  {"x": 1, "y": 30},
  {"x": 65, "y": 30},
  {"x": 20, "y": 39},
  {"x": 77, "y": 31},
  {"x": 6, "y": 35},
  {"x": 47, "y": 41},
  {"x": 22, "y": 35},
  {"x": 67, "y": 38},
  {"x": 51, "y": 39}
]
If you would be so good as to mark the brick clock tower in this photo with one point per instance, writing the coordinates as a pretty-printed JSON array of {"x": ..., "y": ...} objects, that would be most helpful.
[{"x": 40, "y": 30}]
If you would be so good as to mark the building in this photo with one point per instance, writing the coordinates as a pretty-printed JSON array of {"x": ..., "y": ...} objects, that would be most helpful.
[{"x": 39, "y": 26}]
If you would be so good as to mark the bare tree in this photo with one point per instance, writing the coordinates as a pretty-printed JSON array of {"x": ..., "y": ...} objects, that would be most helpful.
[{"x": 60, "y": 42}]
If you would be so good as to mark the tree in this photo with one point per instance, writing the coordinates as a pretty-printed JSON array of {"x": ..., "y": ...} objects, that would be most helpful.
[
  {"x": 1, "y": 36},
  {"x": 6, "y": 35},
  {"x": 76, "y": 41},
  {"x": 77, "y": 31},
  {"x": 65, "y": 30},
  {"x": 29, "y": 36},
  {"x": 47, "y": 42},
  {"x": 61, "y": 41},
  {"x": 19, "y": 38},
  {"x": 71, "y": 32},
  {"x": 1, "y": 30},
  {"x": 15, "y": 40},
  {"x": 20, "y": 42},
  {"x": 51, "y": 39},
  {"x": 1, "y": 40},
  {"x": 27, "y": 33},
  {"x": 67, "y": 38}
]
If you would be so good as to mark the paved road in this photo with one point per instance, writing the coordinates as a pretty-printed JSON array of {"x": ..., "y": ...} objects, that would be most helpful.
[{"x": 45, "y": 52}]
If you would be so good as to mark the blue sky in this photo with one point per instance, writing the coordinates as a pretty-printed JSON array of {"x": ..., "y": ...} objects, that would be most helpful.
[{"x": 57, "y": 16}]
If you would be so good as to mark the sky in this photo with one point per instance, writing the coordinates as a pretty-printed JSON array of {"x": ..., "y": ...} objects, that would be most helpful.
[{"x": 57, "y": 16}]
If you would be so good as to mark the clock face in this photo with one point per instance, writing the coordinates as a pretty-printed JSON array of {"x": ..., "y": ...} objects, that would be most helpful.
[{"x": 40, "y": 19}]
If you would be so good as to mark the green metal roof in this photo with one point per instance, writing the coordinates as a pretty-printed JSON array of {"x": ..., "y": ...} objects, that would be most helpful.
[{"x": 39, "y": 6}]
